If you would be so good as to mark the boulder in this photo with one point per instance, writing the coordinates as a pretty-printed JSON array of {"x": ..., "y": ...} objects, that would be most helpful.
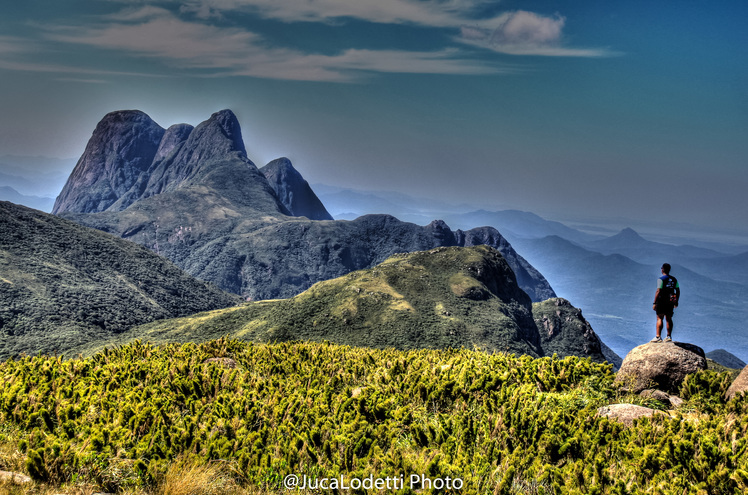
[
  {"x": 659, "y": 365},
  {"x": 739, "y": 385},
  {"x": 12, "y": 477},
  {"x": 224, "y": 362},
  {"x": 652, "y": 393},
  {"x": 626, "y": 413}
]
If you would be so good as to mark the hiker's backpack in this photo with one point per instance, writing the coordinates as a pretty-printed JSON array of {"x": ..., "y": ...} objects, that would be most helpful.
[{"x": 668, "y": 285}]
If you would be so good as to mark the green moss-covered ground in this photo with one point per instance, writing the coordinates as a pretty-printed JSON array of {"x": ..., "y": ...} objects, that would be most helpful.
[{"x": 503, "y": 424}]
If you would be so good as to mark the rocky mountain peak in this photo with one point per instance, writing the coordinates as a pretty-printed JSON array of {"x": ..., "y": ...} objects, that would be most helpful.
[
  {"x": 629, "y": 233},
  {"x": 121, "y": 148},
  {"x": 203, "y": 204},
  {"x": 217, "y": 136},
  {"x": 293, "y": 191}
]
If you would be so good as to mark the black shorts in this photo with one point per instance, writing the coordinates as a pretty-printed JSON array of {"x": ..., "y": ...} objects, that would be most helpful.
[{"x": 665, "y": 309}]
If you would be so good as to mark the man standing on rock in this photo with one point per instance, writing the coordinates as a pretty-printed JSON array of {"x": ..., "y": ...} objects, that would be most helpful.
[{"x": 666, "y": 300}]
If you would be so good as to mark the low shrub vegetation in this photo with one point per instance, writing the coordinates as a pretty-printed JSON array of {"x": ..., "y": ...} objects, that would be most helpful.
[{"x": 169, "y": 419}]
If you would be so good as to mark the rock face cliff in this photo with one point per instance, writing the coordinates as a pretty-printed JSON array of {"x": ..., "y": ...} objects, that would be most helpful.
[
  {"x": 563, "y": 330},
  {"x": 203, "y": 204},
  {"x": 121, "y": 148},
  {"x": 293, "y": 191}
]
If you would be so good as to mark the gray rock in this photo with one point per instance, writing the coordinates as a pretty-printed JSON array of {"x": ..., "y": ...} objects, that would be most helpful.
[
  {"x": 672, "y": 400},
  {"x": 293, "y": 191},
  {"x": 626, "y": 413},
  {"x": 739, "y": 385},
  {"x": 653, "y": 393},
  {"x": 563, "y": 330},
  {"x": 659, "y": 365},
  {"x": 121, "y": 148}
]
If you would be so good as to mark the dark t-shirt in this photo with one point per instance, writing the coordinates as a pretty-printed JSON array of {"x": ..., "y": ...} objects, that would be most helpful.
[{"x": 668, "y": 296}]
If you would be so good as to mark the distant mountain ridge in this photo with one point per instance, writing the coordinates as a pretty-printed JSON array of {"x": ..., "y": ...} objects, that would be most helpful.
[
  {"x": 726, "y": 358},
  {"x": 629, "y": 243},
  {"x": 616, "y": 294},
  {"x": 199, "y": 201},
  {"x": 7, "y": 193}
]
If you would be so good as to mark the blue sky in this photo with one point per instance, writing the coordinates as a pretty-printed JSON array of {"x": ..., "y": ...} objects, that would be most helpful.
[{"x": 568, "y": 109}]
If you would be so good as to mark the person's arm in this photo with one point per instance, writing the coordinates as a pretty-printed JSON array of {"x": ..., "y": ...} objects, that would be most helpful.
[
  {"x": 657, "y": 294},
  {"x": 677, "y": 294}
]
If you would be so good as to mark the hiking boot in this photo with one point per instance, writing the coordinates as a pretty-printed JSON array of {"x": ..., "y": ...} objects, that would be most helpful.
[
  {"x": 656, "y": 340},
  {"x": 668, "y": 339}
]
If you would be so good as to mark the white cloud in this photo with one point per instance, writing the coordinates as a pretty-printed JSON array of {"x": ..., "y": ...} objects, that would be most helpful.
[
  {"x": 526, "y": 33},
  {"x": 158, "y": 34},
  {"x": 14, "y": 45},
  {"x": 529, "y": 28},
  {"x": 452, "y": 13},
  {"x": 140, "y": 14},
  {"x": 517, "y": 33}
]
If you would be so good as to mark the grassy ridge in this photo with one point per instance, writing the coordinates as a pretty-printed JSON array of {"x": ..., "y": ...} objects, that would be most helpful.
[
  {"x": 503, "y": 424},
  {"x": 441, "y": 298}
]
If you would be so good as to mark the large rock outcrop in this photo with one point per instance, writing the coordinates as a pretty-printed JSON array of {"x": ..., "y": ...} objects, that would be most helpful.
[
  {"x": 563, "y": 329},
  {"x": 293, "y": 191},
  {"x": 121, "y": 148},
  {"x": 662, "y": 366},
  {"x": 203, "y": 204}
]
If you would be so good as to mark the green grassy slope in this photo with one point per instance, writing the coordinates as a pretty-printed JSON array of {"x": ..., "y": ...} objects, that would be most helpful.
[
  {"x": 445, "y": 297},
  {"x": 63, "y": 285},
  {"x": 500, "y": 423}
]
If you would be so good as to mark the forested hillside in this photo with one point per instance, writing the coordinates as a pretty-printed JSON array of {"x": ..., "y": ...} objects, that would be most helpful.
[{"x": 63, "y": 285}]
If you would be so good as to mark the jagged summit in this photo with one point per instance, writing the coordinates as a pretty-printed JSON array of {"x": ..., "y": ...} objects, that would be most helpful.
[
  {"x": 193, "y": 196},
  {"x": 213, "y": 139},
  {"x": 130, "y": 157},
  {"x": 293, "y": 191}
]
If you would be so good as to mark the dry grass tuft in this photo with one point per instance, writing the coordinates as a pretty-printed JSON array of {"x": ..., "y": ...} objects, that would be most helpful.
[{"x": 192, "y": 477}]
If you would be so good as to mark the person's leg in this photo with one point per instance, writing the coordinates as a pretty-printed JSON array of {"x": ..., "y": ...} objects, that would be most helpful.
[
  {"x": 669, "y": 325},
  {"x": 659, "y": 325}
]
